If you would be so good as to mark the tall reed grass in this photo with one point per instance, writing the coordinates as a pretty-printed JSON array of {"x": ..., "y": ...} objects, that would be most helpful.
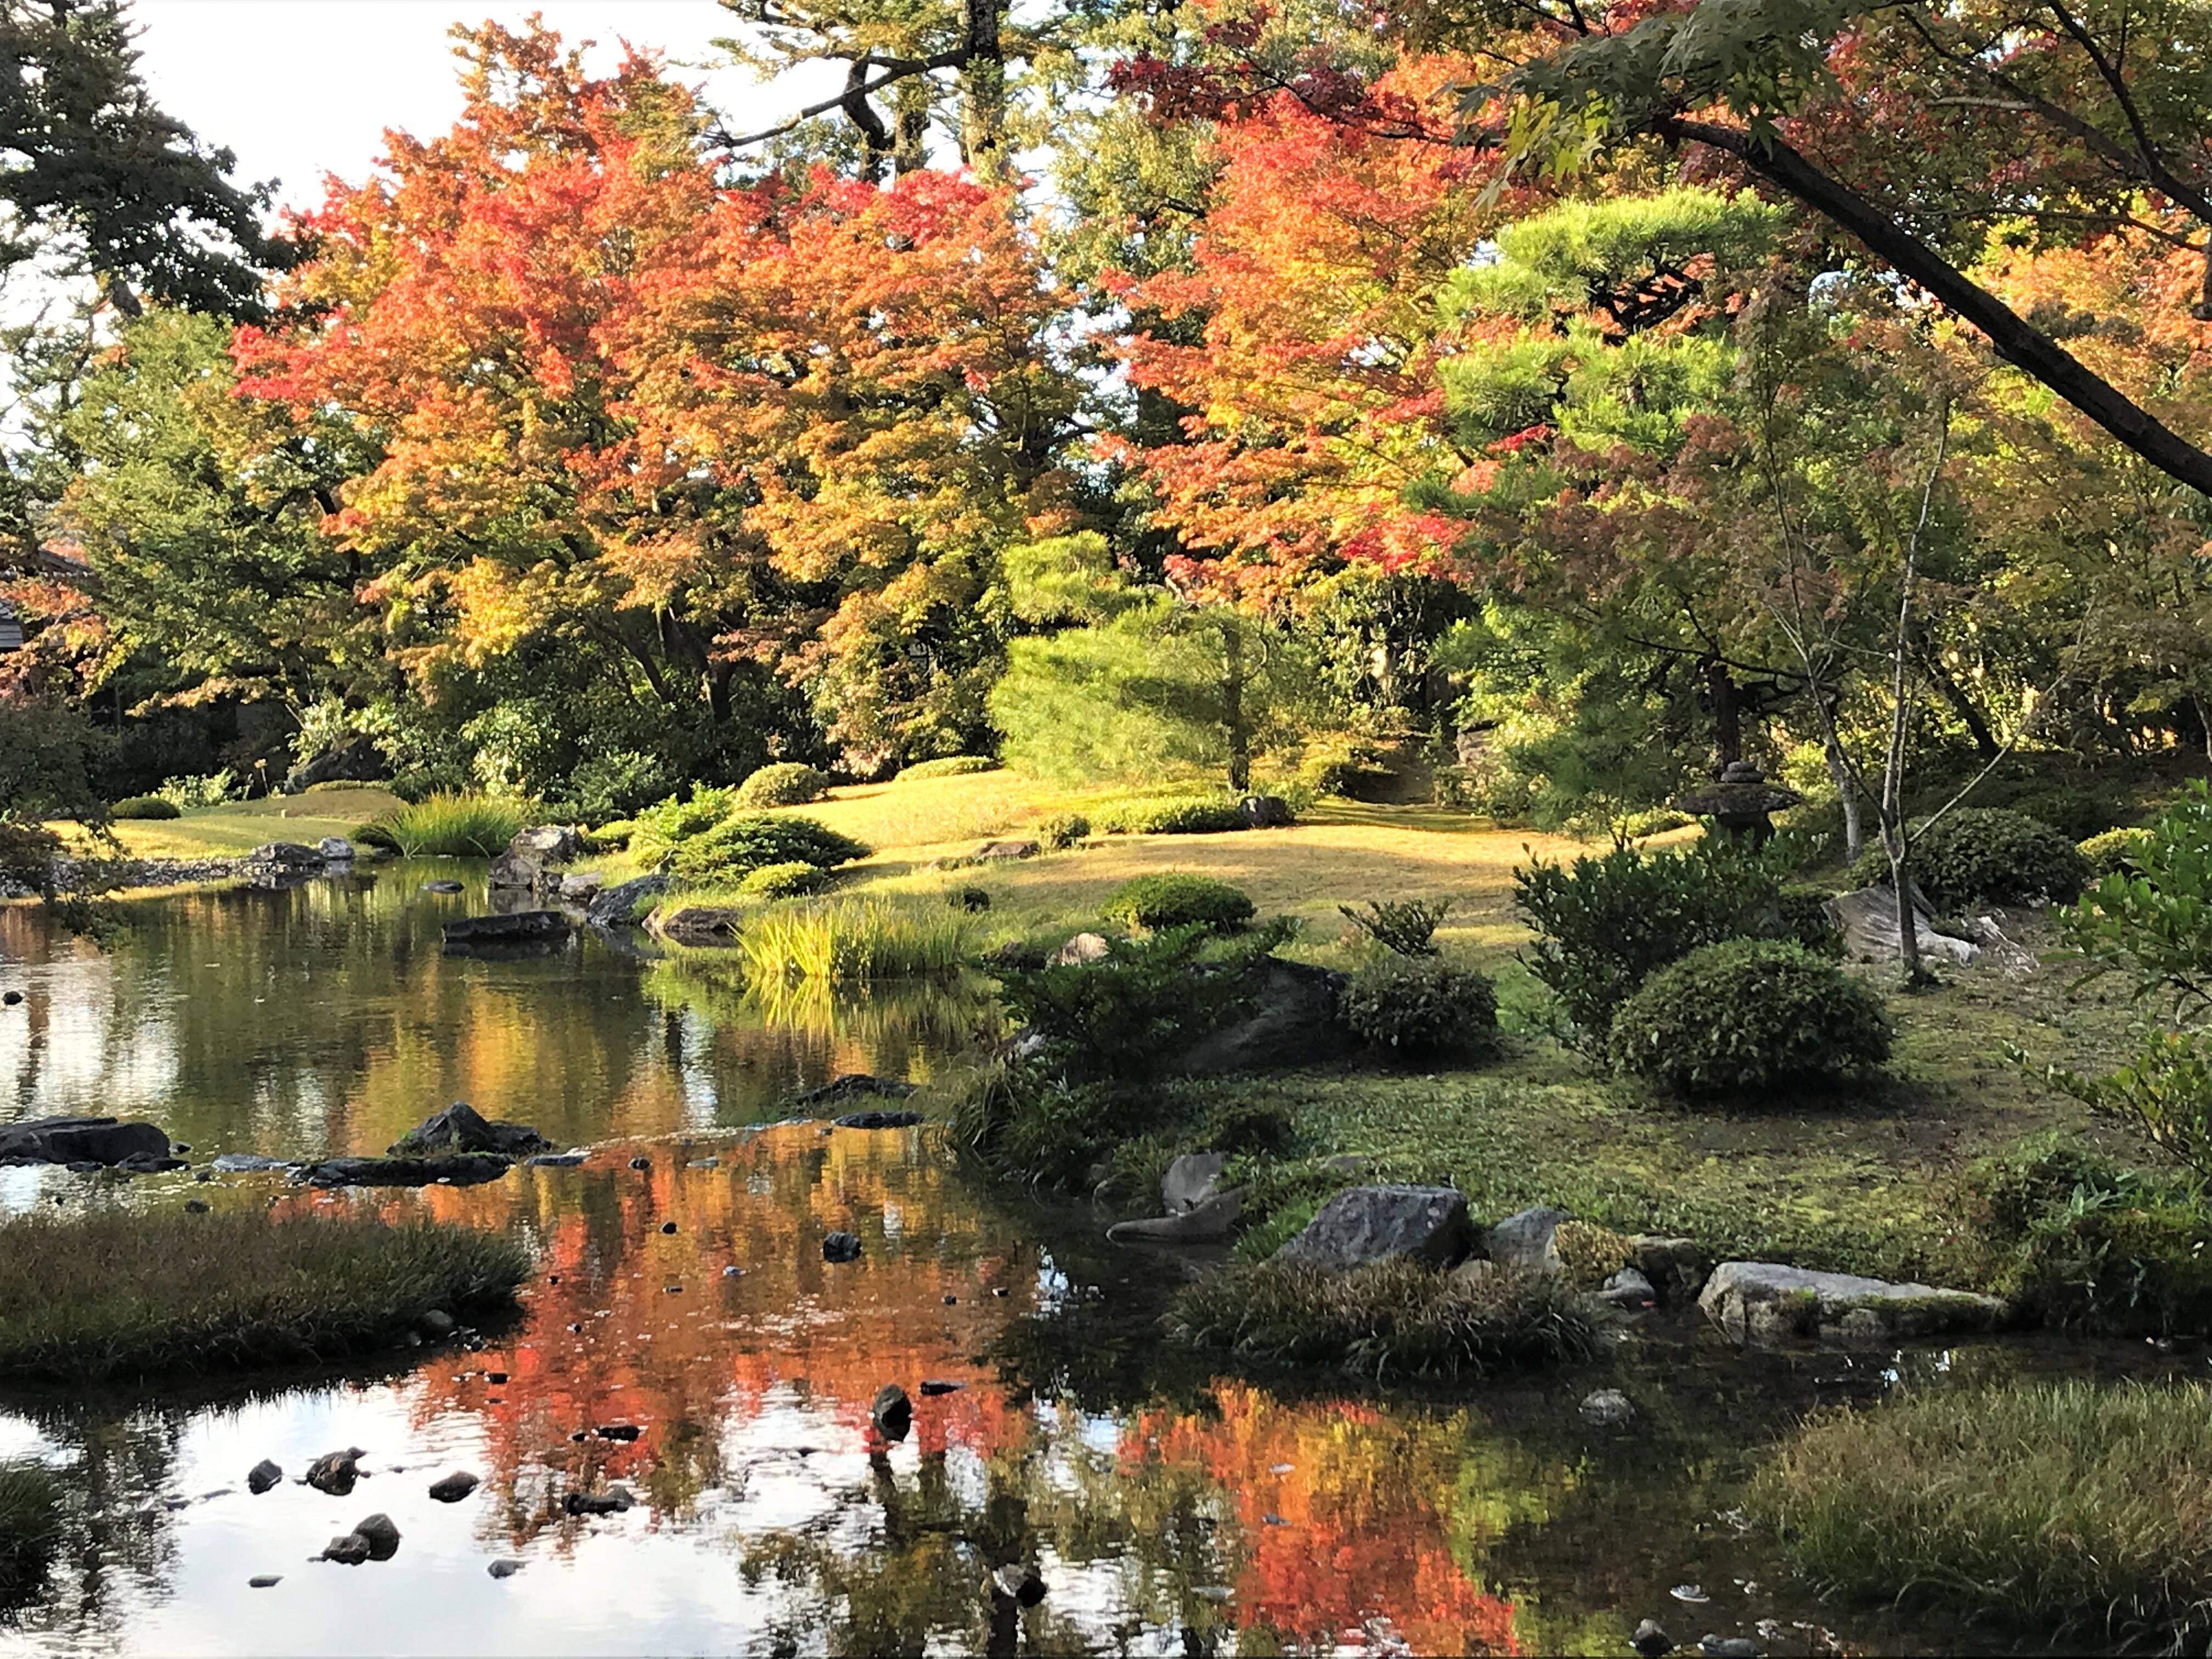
[
  {"x": 854, "y": 942},
  {"x": 30, "y": 1528},
  {"x": 131, "y": 1295},
  {"x": 453, "y": 826},
  {"x": 2071, "y": 1501}
]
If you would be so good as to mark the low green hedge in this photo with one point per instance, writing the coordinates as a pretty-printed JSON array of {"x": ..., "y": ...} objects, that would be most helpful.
[
  {"x": 1749, "y": 1014},
  {"x": 1171, "y": 900}
]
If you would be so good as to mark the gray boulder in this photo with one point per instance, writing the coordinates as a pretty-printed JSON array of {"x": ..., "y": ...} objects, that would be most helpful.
[
  {"x": 512, "y": 871},
  {"x": 612, "y": 908},
  {"x": 697, "y": 924},
  {"x": 335, "y": 848},
  {"x": 1868, "y": 921},
  {"x": 1628, "y": 1289},
  {"x": 549, "y": 843},
  {"x": 1289, "y": 1019},
  {"x": 1608, "y": 1408},
  {"x": 1674, "y": 1267},
  {"x": 1764, "y": 1302},
  {"x": 1081, "y": 951},
  {"x": 1525, "y": 1242},
  {"x": 461, "y": 1129},
  {"x": 1203, "y": 1224},
  {"x": 284, "y": 855},
  {"x": 582, "y": 887},
  {"x": 1375, "y": 1224},
  {"x": 101, "y": 1140}
]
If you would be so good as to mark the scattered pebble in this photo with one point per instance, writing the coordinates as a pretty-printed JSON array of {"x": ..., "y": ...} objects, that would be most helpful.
[
  {"x": 937, "y": 1385},
  {"x": 1691, "y": 1594},
  {"x": 505, "y": 1567},
  {"x": 668, "y": 1226},
  {"x": 641, "y": 1164},
  {"x": 265, "y": 1580}
]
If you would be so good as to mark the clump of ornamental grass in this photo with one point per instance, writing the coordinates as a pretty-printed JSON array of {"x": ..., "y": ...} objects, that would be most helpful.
[
  {"x": 853, "y": 941},
  {"x": 1394, "y": 1318},
  {"x": 30, "y": 1528},
  {"x": 453, "y": 826},
  {"x": 123, "y": 1295},
  {"x": 2071, "y": 1503}
]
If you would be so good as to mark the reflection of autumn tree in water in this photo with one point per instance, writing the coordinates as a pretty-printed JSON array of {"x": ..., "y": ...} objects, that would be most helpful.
[{"x": 116, "y": 1468}]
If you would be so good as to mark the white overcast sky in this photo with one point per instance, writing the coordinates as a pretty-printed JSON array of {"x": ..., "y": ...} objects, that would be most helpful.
[{"x": 301, "y": 87}]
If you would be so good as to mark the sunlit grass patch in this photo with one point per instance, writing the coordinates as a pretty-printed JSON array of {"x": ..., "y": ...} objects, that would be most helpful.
[
  {"x": 127, "y": 1295},
  {"x": 852, "y": 941},
  {"x": 1396, "y": 1318},
  {"x": 2072, "y": 1502},
  {"x": 453, "y": 826}
]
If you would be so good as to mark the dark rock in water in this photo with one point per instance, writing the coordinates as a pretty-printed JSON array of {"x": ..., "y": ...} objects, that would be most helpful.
[
  {"x": 514, "y": 870},
  {"x": 1266, "y": 812},
  {"x": 557, "y": 1161},
  {"x": 877, "y": 1120},
  {"x": 348, "y": 1549},
  {"x": 506, "y": 1567},
  {"x": 1525, "y": 1242},
  {"x": 98, "y": 1141},
  {"x": 1375, "y": 1224},
  {"x": 932, "y": 1386},
  {"x": 264, "y": 1580},
  {"x": 1018, "y": 1584},
  {"x": 336, "y": 1472},
  {"x": 1291, "y": 1020},
  {"x": 522, "y": 928},
  {"x": 700, "y": 925},
  {"x": 443, "y": 887},
  {"x": 437, "y": 1324},
  {"x": 667, "y": 1226},
  {"x": 276, "y": 855},
  {"x": 892, "y": 1412},
  {"x": 382, "y": 1536},
  {"x": 11, "y": 999},
  {"x": 461, "y": 1129},
  {"x": 851, "y": 1085},
  {"x": 1607, "y": 1408},
  {"x": 461, "y": 1169},
  {"x": 245, "y": 1163},
  {"x": 262, "y": 1476},
  {"x": 1728, "y": 1647},
  {"x": 143, "y": 1164},
  {"x": 1651, "y": 1641},
  {"x": 641, "y": 1163},
  {"x": 840, "y": 1247},
  {"x": 618, "y": 1432},
  {"x": 584, "y": 1503},
  {"x": 614, "y": 905}
]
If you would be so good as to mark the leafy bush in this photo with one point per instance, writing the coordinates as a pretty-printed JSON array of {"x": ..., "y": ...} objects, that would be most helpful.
[
  {"x": 949, "y": 766},
  {"x": 1169, "y": 899},
  {"x": 188, "y": 792},
  {"x": 454, "y": 826},
  {"x": 611, "y": 836},
  {"x": 1061, "y": 830},
  {"x": 2115, "y": 851},
  {"x": 1749, "y": 1014},
  {"x": 145, "y": 807},
  {"x": 1801, "y": 916},
  {"x": 1986, "y": 855},
  {"x": 737, "y": 847},
  {"x": 1394, "y": 1318},
  {"x": 786, "y": 783},
  {"x": 1604, "y": 924},
  {"x": 656, "y": 830},
  {"x": 125, "y": 1294},
  {"x": 782, "y": 881},
  {"x": 853, "y": 943},
  {"x": 1590, "y": 1254},
  {"x": 1169, "y": 816},
  {"x": 616, "y": 784},
  {"x": 2042, "y": 1501},
  {"x": 1407, "y": 927},
  {"x": 1423, "y": 1005}
]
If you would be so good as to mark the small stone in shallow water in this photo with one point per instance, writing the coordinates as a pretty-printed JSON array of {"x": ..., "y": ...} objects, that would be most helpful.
[
  {"x": 1690, "y": 1594},
  {"x": 641, "y": 1164},
  {"x": 668, "y": 1226},
  {"x": 892, "y": 1412},
  {"x": 335, "y": 1472},
  {"x": 498, "y": 1379},
  {"x": 675, "y": 1290},
  {"x": 383, "y": 1537},
  {"x": 618, "y": 1432},
  {"x": 935, "y": 1385},
  {"x": 732, "y": 1272},
  {"x": 11, "y": 998},
  {"x": 262, "y": 1476},
  {"x": 454, "y": 1487},
  {"x": 952, "y": 1301},
  {"x": 265, "y": 1580},
  {"x": 505, "y": 1567},
  {"x": 840, "y": 1247},
  {"x": 997, "y": 1290},
  {"x": 348, "y": 1550},
  {"x": 1607, "y": 1408}
]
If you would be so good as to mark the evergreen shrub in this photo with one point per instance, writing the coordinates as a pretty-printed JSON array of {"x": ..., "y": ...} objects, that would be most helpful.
[
  {"x": 1422, "y": 1005},
  {"x": 1171, "y": 900},
  {"x": 1987, "y": 855},
  {"x": 145, "y": 807},
  {"x": 737, "y": 847},
  {"x": 2115, "y": 852},
  {"x": 780, "y": 881},
  {"x": 786, "y": 783},
  {"x": 1748, "y": 1014},
  {"x": 951, "y": 766},
  {"x": 1061, "y": 830}
]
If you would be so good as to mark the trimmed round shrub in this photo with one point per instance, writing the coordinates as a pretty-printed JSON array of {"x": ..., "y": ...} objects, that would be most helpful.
[
  {"x": 1170, "y": 815},
  {"x": 951, "y": 766},
  {"x": 971, "y": 899},
  {"x": 1749, "y": 1014},
  {"x": 145, "y": 807},
  {"x": 782, "y": 881},
  {"x": 1062, "y": 830},
  {"x": 1158, "y": 902},
  {"x": 737, "y": 847},
  {"x": 2115, "y": 851},
  {"x": 1422, "y": 1005},
  {"x": 787, "y": 783},
  {"x": 1988, "y": 855}
]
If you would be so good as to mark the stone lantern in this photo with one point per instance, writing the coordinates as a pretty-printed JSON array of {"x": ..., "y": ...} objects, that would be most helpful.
[{"x": 1741, "y": 802}]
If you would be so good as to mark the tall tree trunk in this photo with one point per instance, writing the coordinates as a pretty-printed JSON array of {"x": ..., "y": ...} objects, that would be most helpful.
[
  {"x": 1728, "y": 714},
  {"x": 1969, "y": 715},
  {"x": 983, "y": 89},
  {"x": 1847, "y": 792},
  {"x": 1233, "y": 716}
]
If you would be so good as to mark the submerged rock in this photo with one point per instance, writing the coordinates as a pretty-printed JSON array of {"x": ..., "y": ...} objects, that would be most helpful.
[
  {"x": 104, "y": 1141},
  {"x": 519, "y": 927},
  {"x": 1375, "y": 1224},
  {"x": 460, "y": 1168},
  {"x": 840, "y": 1247},
  {"x": 461, "y": 1129},
  {"x": 847, "y": 1086},
  {"x": 506, "y": 1567},
  {"x": 556, "y": 1161},
  {"x": 607, "y": 1503},
  {"x": 443, "y": 886},
  {"x": 245, "y": 1163},
  {"x": 263, "y": 1476},
  {"x": 1765, "y": 1302}
]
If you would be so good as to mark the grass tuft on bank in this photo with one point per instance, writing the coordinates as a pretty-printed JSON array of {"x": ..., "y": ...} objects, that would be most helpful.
[
  {"x": 454, "y": 826},
  {"x": 1389, "y": 1319},
  {"x": 124, "y": 1295},
  {"x": 2049, "y": 1502}
]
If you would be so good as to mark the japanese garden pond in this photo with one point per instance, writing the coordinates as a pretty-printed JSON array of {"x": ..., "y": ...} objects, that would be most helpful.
[{"x": 1166, "y": 1505}]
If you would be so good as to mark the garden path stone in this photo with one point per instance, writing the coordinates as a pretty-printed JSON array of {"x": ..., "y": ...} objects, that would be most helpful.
[
  {"x": 1377, "y": 1223},
  {"x": 1764, "y": 1302}
]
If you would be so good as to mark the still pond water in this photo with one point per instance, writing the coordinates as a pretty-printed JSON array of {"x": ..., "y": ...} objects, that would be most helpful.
[{"x": 1169, "y": 1508}]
